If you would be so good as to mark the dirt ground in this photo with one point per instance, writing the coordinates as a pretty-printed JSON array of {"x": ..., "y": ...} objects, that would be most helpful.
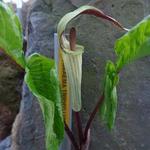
[{"x": 10, "y": 93}]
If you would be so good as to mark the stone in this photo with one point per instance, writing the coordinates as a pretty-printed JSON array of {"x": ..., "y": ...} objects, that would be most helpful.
[
  {"x": 10, "y": 94},
  {"x": 132, "y": 123},
  {"x": 98, "y": 37},
  {"x": 78, "y": 3},
  {"x": 7, "y": 119},
  {"x": 5, "y": 144},
  {"x": 28, "y": 129}
]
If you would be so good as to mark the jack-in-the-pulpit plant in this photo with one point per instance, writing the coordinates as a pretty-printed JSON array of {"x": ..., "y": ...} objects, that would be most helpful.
[{"x": 42, "y": 79}]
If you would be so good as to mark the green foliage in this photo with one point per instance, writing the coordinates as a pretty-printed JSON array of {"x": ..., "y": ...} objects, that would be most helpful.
[
  {"x": 109, "y": 106},
  {"x": 42, "y": 80},
  {"x": 134, "y": 44},
  {"x": 40, "y": 76},
  {"x": 11, "y": 34}
]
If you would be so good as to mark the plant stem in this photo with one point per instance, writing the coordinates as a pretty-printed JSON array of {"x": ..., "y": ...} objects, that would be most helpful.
[
  {"x": 79, "y": 127},
  {"x": 91, "y": 118},
  {"x": 71, "y": 137},
  {"x": 86, "y": 144}
]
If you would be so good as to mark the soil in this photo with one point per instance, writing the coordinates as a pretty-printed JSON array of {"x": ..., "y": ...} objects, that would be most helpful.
[{"x": 11, "y": 77}]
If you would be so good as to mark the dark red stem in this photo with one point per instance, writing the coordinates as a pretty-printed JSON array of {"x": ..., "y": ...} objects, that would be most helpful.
[
  {"x": 79, "y": 127},
  {"x": 71, "y": 137},
  {"x": 88, "y": 125}
]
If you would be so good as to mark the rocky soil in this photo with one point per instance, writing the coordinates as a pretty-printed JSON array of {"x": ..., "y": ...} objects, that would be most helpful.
[{"x": 10, "y": 93}]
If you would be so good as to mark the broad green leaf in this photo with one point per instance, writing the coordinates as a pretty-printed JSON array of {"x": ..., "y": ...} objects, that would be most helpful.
[
  {"x": 42, "y": 80},
  {"x": 109, "y": 106},
  {"x": 11, "y": 34},
  {"x": 73, "y": 59},
  {"x": 134, "y": 44}
]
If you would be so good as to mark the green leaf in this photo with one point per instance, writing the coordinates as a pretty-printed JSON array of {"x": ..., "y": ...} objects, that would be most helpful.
[
  {"x": 11, "y": 34},
  {"x": 134, "y": 44},
  {"x": 109, "y": 106},
  {"x": 42, "y": 80}
]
